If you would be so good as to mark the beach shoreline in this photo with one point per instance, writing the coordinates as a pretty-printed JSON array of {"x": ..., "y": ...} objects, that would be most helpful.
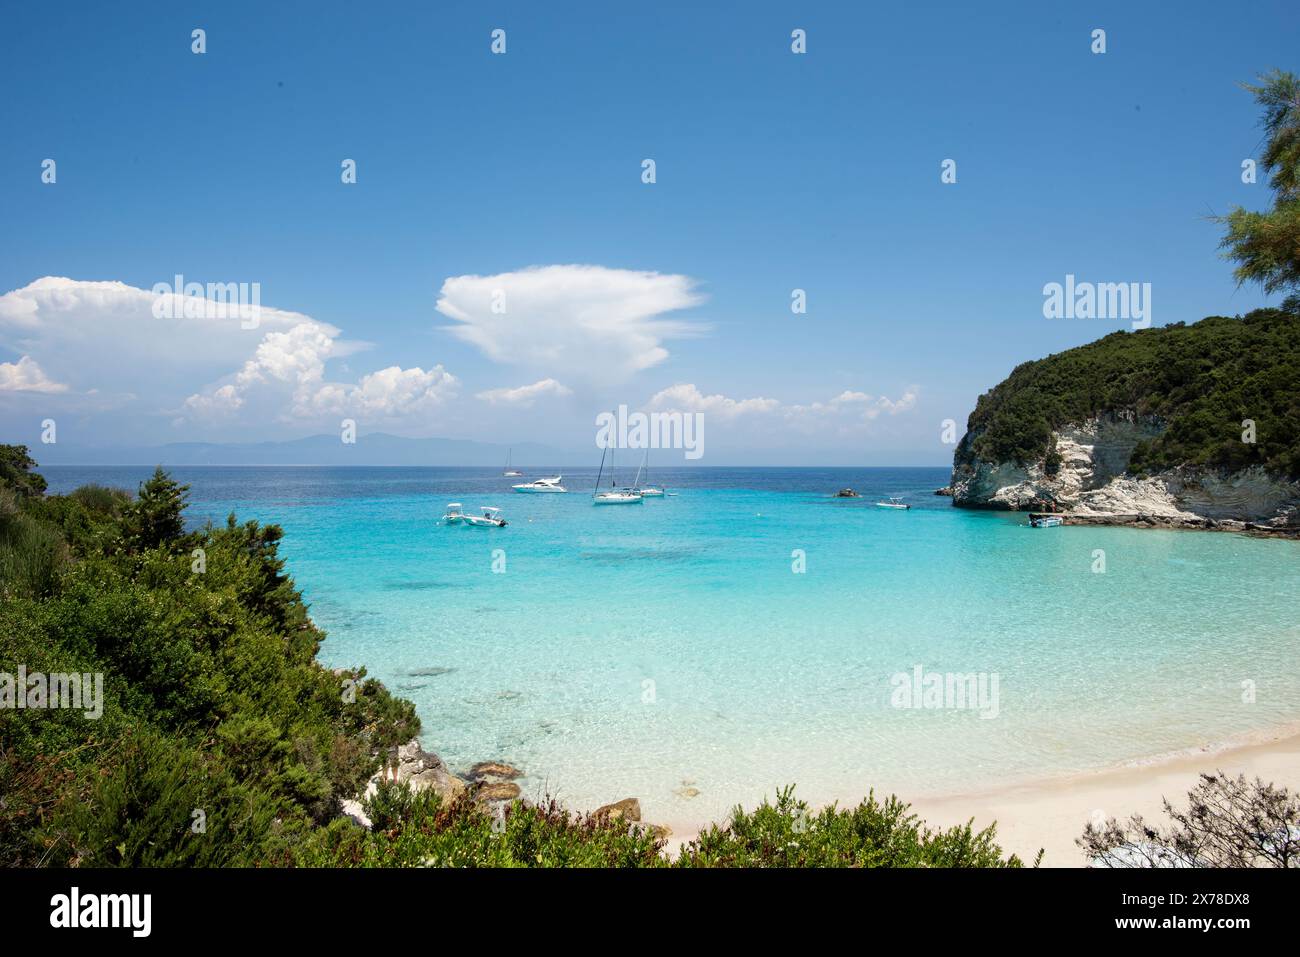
[{"x": 1051, "y": 812}]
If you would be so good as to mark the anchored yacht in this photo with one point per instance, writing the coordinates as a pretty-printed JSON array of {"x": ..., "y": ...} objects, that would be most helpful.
[
  {"x": 542, "y": 485},
  {"x": 613, "y": 495},
  {"x": 509, "y": 472}
]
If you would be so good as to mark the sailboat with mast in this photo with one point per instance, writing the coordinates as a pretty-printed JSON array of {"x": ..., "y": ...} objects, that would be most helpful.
[
  {"x": 613, "y": 495},
  {"x": 648, "y": 490},
  {"x": 509, "y": 472}
]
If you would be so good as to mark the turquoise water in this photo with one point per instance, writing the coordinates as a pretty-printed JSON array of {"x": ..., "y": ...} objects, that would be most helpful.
[{"x": 657, "y": 649}]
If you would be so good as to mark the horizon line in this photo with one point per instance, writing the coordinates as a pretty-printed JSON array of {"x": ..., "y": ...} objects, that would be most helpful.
[{"x": 326, "y": 465}]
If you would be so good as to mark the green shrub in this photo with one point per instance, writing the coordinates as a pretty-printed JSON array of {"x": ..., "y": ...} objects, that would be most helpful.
[
  {"x": 420, "y": 830},
  {"x": 213, "y": 698},
  {"x": 874, "y": 834},
  {"x": 32, "y": 555},
  {"x": 16, "y": 472}
]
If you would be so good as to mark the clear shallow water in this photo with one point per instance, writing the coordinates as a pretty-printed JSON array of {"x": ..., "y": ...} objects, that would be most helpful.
[{"x": 761, "y": 676}]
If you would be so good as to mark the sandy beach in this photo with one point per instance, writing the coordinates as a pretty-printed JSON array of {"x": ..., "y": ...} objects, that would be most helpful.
[{"x": 1051, "y": 813}]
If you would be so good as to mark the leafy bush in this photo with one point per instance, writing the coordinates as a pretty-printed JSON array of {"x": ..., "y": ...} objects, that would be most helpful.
[
  {"x": 155, "y": 518},
  {"x": 213, "y": 700},
  {"x": 420, "y": 830},
  {"x": 32, "y": 555},
  {"x": 874, "y": 834},
  {"x": 16, "y": 471}
]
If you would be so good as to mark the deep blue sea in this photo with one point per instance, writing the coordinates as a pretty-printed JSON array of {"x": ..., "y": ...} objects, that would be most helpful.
[{"x": 673, "y": 650}]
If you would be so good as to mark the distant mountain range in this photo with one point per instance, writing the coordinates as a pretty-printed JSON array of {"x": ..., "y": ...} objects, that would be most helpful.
[{"x": 376, "y": 448}]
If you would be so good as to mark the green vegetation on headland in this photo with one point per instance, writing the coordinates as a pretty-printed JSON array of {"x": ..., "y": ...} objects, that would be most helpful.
[
  {"x": 1200, "y": 381},
  {"x": 223, "y": 742}
]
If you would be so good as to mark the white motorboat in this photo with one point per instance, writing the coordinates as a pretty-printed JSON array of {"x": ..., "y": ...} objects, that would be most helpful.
[
  {"x": 894, "y": 502},
  {"x": 542, "y": 485},
  {"x": 613, "y": 495},
  {"x": 490, "y": 517},
  {"x": 509, "y": 472},
  {"x": 454, "y": 515}
]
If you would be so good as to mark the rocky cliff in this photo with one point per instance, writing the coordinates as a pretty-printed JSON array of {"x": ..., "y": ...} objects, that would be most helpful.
[
  {"x": 1090, "y": 480},
  {"x": 1195, "y": 426}
]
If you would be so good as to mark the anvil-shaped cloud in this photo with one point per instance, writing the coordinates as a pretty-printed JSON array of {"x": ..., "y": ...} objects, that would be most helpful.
[{"x": 577, "y": 324}]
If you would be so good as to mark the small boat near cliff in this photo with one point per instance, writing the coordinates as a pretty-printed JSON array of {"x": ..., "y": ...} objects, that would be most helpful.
[
  {"x": 1045, "y": 521},
  {"x": 893, "y": 502}
]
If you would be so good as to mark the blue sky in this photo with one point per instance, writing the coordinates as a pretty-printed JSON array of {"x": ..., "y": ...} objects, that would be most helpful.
[{"x": 775, "y": 171}]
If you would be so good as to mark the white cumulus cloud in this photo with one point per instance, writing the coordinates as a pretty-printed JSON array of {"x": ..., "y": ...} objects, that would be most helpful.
[
  {"x": 857, "y": 405},
  {"x": 525, "y": 395},
  {"x": 203, "y": 366},
  {"x": 849, "y": 409},
  {"x": 588, "y": 324},
  {"x": 104, "y": 335},
  {"x": 685, "y": 397},
  {"x": 391, "y": 392},
  {"x": 293, "y": 363},
  {"x": 26, "y": 376}
]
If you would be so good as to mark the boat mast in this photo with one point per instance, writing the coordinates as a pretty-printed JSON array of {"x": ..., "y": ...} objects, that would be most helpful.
[
  {"x": 636, "y": 483},
  {"x": 601, "y": 472}
]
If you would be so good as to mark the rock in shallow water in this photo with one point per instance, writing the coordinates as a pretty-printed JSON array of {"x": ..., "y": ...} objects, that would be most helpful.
[
  {"x": 494, "y": 769},
  {"x": 496, "y": 791},
  {"x": 628, "y": 809}
]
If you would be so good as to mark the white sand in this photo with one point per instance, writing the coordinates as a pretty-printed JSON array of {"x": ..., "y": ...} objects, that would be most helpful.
[{"x": 1050, "y": 814}]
